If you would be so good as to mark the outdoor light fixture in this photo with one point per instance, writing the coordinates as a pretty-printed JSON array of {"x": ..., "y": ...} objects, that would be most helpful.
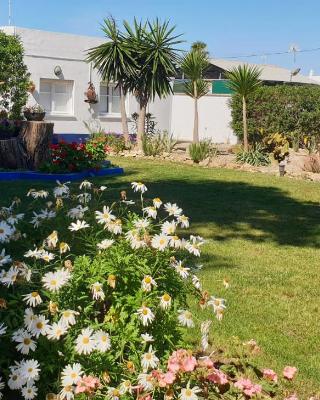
[{"x": 57, "y": 70}]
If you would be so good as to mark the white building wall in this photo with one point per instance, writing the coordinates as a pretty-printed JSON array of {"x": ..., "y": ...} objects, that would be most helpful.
[{"x": 214, "y": 118}]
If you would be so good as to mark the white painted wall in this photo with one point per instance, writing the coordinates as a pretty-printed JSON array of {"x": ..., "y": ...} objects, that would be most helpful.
[
  {"x": 45, "y": 50},
  {"x": 214, "y": 118}
]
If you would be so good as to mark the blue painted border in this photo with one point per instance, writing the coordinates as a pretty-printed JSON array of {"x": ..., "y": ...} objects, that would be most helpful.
[{"x": 75, "y": 176}]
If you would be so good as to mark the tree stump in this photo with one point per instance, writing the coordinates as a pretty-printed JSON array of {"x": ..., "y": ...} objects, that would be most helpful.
[{"x": 29, "y": 149}]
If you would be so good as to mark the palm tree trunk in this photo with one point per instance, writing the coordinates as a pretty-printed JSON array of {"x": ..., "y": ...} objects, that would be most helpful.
[
  {"x": 245, "y": 126},
  {"x": 196, "y": 115},
  {"x": 141, "y": 123},
  {"x": 124, "y": 120}
]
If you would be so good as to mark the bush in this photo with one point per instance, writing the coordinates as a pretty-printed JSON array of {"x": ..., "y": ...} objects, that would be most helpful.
[
  {"x": 202, "y": 150},
  {"x": 157, "y": 143},
  {"x": 75, "y": 157},
  {"x": 293, "y": 111},
  {"x": 14, "y": 76},
  {"x": 256, "y": 156}
]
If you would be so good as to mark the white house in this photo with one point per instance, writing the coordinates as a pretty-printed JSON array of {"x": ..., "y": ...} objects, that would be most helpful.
[{"x": 57, "y": 65}]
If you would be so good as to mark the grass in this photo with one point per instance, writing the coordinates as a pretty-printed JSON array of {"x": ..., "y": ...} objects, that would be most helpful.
[{"x": 262, "y": 234}]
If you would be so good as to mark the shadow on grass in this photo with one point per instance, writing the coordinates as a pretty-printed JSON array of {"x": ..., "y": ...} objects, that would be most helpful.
[{"x": 229, "y": 210}]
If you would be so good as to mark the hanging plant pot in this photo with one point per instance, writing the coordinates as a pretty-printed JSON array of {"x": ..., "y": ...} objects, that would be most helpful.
[{"x": 91, "y": 94}]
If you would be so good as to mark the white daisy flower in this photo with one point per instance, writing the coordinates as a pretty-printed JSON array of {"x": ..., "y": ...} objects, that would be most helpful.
[
  {"x": 84, "y": 198},
  {"x": 39, "y": 326},
  {"x": 63, "y": 247},
  {"x": 113, "y": 393},
  {"x": 6, "y": 231},
  {"x": 173, "y": 209},
  {"x": 4, "y": 259},
  {"x": 32, "y": 299},
  {"x": 15, "y": 218},
  {"x": 193, "y": 245},
  {"x": 145, "y": 315},
  {"x": 138, "y": 187},
  {"x": 189, "y": 393},
  {"x": 77, "y": 212},
  {"x": 185, "y": 318},
  {"x": 34, "y": 253},
  {"x": 71, "y": 374},
  {"x": 103, "y": 188},
  {"x": 68, "y": 317},
  {"x": 29, "y": 392},
  {"x": 46, "y": 256},
  {"x": 157, "y": 202},
  {"x": 176, "y": 242},
  {"x": 150, "y": 211},
  {"x": 85, "y": 185},
  {"x": 9, "y": 277},
  {"x": 102, "y": 340},
  {"x": 105, "y": 216},
  {"x": 76, "y": 226},
  {"x": 136, "y": 241},
  {"x": 97, "y": 291},
  {"x": 204, "y": 329},
  {"x": 62, "y": 190},
  {"x": 56, "y": 330},
  {"x": 165, "y": 301},
  {"x": 183, "y": 221},
  {"x": 42, "y": 194},
  {"x": 149, "y": 360},
  {"x": 125, "y": 387},
  {"x": 67, "y": 393},
  {"x": 54, "y": 281},
  {"x": 105, "y": 244},
  {"x": 146, "y": 381},
  {"x": 3, "y": 329},
  {"x": 168, "y": 228},
  {"x": 30, "y": 369},
  {"x": 216, "y": 303},
  {"x": 181, "y": 270},
  {"x": 16, "y": 381},
  {"x": 196, "y": 282},
  {"x": 147, "y": 338},
  {"x": 29, "y": 318},
  {"x": 85, "y": 342},
  {"x": 141, "y": 223},
  {"x": 160, "y": 242},
  {"x": 114, "y": 227},
  {"x": 147, "y": 283},
  {"x": 25, "y": 342}
]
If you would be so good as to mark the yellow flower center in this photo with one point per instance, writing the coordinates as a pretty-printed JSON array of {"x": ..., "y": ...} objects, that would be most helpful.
[
  {"x": 188, "y": 392},
  {"x": 53, "y": 282},
  {"x": 67, "y": 314},
  {"x": 104, "y": 338},
  {"x": 34, "y": 294},
  {"x": 145, "y": 311},
  {"x": 85, "y": 340},
  {"x": 162, "y": 241},
  {"x": 26, "y": 341},
  {"x": 73, "y": 375},
  {"x": 39, "y": 325},
  {"x": 166, "y": 297},
  {"x": 148, "y": 356},
  {"x": 1, "y": 230},
  {"x": 148, "y": 279}
]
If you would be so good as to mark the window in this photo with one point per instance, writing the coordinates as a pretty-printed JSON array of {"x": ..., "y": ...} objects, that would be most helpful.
[
  {"x": 56, "y": 96},
  {"x": 109, "y": 102}
]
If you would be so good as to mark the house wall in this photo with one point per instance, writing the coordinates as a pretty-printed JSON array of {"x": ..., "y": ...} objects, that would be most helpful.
[{"x": 214, "y": 118}]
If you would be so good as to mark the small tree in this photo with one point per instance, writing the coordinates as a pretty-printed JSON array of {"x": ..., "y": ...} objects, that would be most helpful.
[
  {"x": 156, "y": 59},
  {"x": 115, "y": 62},
  {"x": 244, "y": 81},
  {"x": 194, "y": 64},
  {"x": 14, "y": 76}
]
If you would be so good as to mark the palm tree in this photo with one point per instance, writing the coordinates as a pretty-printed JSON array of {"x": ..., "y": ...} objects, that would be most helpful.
[
  {"x": 244, "y": 81},
  {"x": 201, "y": 46},
  {"x": 156, "y": 60},
  {"x": 194, "y": 65},
  {"x": 115, "y": 62}
]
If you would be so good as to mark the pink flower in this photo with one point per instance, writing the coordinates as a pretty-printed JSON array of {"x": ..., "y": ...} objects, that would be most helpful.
[
  {"x": 205, "y": 362},
  {"x": 181, "y": 360},
  {"x": 292, "y": 397},
  {"x": 249, "y": 389},
  {"x": 289, "y": 372},
  {"x": 270, "y": 375},
  {"x": 165, "y": 379},
  {"x": 217, "y": 377},
  {"x": 87, "y": 384}
]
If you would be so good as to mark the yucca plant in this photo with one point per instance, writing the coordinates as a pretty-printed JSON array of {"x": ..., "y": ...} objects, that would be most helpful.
[
  {"x": 244, "y": 81},
  {"x": 202, "y": 150}
]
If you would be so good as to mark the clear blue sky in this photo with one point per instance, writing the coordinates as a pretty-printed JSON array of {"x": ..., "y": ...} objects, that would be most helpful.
[{"x": 230, "y": 28}]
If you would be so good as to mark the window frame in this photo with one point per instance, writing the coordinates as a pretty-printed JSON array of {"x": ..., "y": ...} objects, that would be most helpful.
[
  {"x": 69, "y": 85},
  {"x": 104, "y": 114}
]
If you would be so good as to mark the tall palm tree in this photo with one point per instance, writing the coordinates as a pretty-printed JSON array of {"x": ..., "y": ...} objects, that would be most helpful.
[
  {"x": 244, "y": 81},
  {"x": 201, "y": 46},
  {"x": 194, "y": 65},
  {"x": 156, "y": 60},
  {"x": 115, "y": 62}
]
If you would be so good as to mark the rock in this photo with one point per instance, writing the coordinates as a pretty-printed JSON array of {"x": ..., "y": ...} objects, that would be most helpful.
[{"x": 205, "y": 162}]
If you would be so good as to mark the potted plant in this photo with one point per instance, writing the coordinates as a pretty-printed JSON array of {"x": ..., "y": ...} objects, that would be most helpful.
[{"x": 34, "y": 113}]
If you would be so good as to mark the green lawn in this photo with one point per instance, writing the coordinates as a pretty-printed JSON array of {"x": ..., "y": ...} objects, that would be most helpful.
[{"x": 263, "y": 234}]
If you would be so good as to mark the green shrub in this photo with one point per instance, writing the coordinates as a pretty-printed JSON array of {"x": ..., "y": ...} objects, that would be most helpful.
[
  {"x": 256, "y": 156},
  {"x": 202, "y": 150},
  {"x": 157, "y": 143},
  {"x": 293, "y": 111}
]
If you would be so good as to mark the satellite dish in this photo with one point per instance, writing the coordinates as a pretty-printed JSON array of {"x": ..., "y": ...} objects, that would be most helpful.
[{"x": 295, "y": 71}]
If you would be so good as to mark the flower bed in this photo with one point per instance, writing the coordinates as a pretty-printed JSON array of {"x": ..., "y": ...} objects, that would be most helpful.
[{"x": 105, "y": 295}]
